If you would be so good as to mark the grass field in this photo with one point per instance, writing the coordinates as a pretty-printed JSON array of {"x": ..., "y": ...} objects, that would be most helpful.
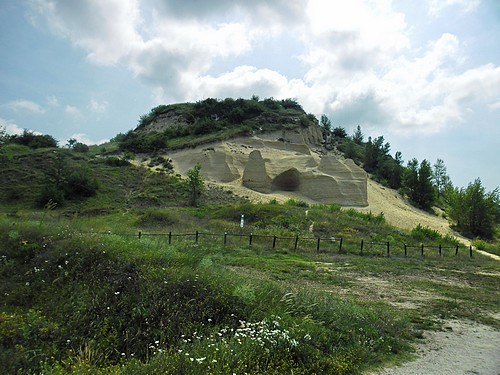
[
  {"x": 84, "y": 294},
  {"x": 81, "y": 293}
]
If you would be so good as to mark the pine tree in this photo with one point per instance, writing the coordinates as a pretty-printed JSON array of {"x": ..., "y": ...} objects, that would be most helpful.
[
  {"x": 417, "y": 183},
  {"x": 474, "y": 211},
  {"x": 440, "y": 177},
  {"x": 358, "y": 136}
]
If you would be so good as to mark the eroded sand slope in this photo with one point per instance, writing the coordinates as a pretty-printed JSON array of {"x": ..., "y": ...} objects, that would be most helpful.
[{"x": 294, "y": 164}]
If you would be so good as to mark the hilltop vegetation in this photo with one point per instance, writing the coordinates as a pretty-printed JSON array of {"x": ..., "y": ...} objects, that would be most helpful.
[{"x": 212, "y": 120}]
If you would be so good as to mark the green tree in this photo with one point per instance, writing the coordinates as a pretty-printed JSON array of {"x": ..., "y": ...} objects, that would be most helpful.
[
  {"x": 30, "y": 139},
  {"x": 325, "y": 123},
  {"x": 358, "y": 136},
  {"x": 339, "y": 132},
  {"x": 4, "y": 136},
  {"x": 375, "y": 152},
  {"x": 440, "y": 177},
  {"x": 195, "y": 184},
  {"x": 474, "y": 211},
  {"x": 66, "y": 181},
  {"x": 80, "y": 184},
  {"x": 71, "y": 142},
  {"x": 417, "y": 183},
  {"x": 351, "y": 150},
  {"x": 410, "y": 178},
  {"x": 74, "y": 145},
  {"x": 80, "y": 147},
  {"x": 425, "y": 197}
]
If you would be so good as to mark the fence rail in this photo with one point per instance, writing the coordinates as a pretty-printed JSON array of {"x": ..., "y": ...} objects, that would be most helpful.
[{"x": 293, "y": 241}]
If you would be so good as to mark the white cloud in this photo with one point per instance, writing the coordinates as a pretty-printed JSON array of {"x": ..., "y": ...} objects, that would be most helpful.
[
  {"x": 25, "y": 105},
  {"x": 53, "y": 101},
  {"x": 437, "y": 7},
  {"x": 71, "y": 110},
  {"x": 494, "y": 105},
  {"x": 361, "y": 62},
  {"x": 10, "y": 127},
  {"x": 83, "y": 138},
  {"x": 107, "y": 29},
  {"x": 98, "y": 106}
]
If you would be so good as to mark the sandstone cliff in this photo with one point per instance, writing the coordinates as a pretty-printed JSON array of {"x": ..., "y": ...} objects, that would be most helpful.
[{"x": 289, "y": 162}]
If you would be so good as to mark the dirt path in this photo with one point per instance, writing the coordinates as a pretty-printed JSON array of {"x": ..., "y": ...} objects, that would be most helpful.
[{"x": 463, "y": 348}]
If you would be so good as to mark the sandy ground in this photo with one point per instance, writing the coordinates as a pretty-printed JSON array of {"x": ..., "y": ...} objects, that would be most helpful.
[
  {"x": 462, "y": 348},
  {"x": 399, "y": 213}
]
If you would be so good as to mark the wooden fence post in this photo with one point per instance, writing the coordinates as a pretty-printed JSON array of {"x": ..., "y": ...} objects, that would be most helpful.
[
  {"x": 140, "y": 234},
  {"x": 250, "y": 239},
  {"x": 362, "y": 241},
  {"x": 388, "y": 253},
  {"x": 456, "y": 251},
  {"x": 340, "y": 246},
  {"x": 405, "y": 250},
  {"x": 422, "y": 249},
  {"x": 169, "y": 238},
  {"x": 440, "y": 253},
  {"x": 470, "y": 250},
  {"x": 196, "y": 237},
  {"x": 296, "y": 242},
  {"x": 274, "y": 241},
  {"x": 225, "y": 238},
  {"x": 317, "y": 246}
]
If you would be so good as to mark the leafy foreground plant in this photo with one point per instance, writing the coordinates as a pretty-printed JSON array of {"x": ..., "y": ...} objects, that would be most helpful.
[{"x": 74, "y": 303}]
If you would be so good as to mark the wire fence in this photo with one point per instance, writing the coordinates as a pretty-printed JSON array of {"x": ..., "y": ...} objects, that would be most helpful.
[{"x": 318, "y": 244}]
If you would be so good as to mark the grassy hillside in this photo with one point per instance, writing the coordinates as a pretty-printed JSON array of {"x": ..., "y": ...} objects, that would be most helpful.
[
  {"x": 85, "y": 294},
  {"x": 118, "y": 183}
]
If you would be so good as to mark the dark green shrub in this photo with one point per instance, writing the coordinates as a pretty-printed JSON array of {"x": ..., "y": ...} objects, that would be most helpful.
[
  {"x": 425, "y": 234},
  {"x": 116, "y": 162},
  {"x": 80, "y": 147},
  {"x": 51, "y": 193},
  {"x": 80, "y": 184},
  {"x": 30, "y": 139},
  {"x": 157, "y": 217}
]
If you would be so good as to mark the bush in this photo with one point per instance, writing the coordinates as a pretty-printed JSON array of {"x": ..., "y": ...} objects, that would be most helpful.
[
  {"x": 116, "y": 162},
  {"x": 80, "y": 147},
  {"x": 157, "y": 217},
  {"x": 51, "y": 193},
  {"x": 80, "y": 184},
  {"x": 425, "y": 234},
  {"x": 30, "y": 139},
  {"x": 65, "y": 181}
]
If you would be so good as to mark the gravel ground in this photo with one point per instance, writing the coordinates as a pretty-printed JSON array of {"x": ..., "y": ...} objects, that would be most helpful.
[{"x": 463, "y": 348}]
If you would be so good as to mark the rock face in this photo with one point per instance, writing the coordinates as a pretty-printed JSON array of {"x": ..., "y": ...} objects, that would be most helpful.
[
  {"x": 254, "y": 175},
  {"x": 289, "y": 162}
]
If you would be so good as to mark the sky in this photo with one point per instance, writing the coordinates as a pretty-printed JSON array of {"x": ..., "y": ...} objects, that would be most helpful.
[{"x": 423, "y": 74}]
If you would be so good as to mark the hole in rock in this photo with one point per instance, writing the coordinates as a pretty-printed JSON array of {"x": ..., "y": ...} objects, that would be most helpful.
[{"x": 288, "y": 180}]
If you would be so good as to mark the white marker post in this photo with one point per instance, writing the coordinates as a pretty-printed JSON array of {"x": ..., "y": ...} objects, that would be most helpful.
[{"x": 242, "y": 223}]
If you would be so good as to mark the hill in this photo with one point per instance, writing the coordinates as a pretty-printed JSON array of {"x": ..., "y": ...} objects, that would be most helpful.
[
  {"x": 105, "y": 267},
  {"x": 295, "y": 161}
]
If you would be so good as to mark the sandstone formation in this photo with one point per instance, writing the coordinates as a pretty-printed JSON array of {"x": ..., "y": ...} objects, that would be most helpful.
[{"x": 292, "y": 162}]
